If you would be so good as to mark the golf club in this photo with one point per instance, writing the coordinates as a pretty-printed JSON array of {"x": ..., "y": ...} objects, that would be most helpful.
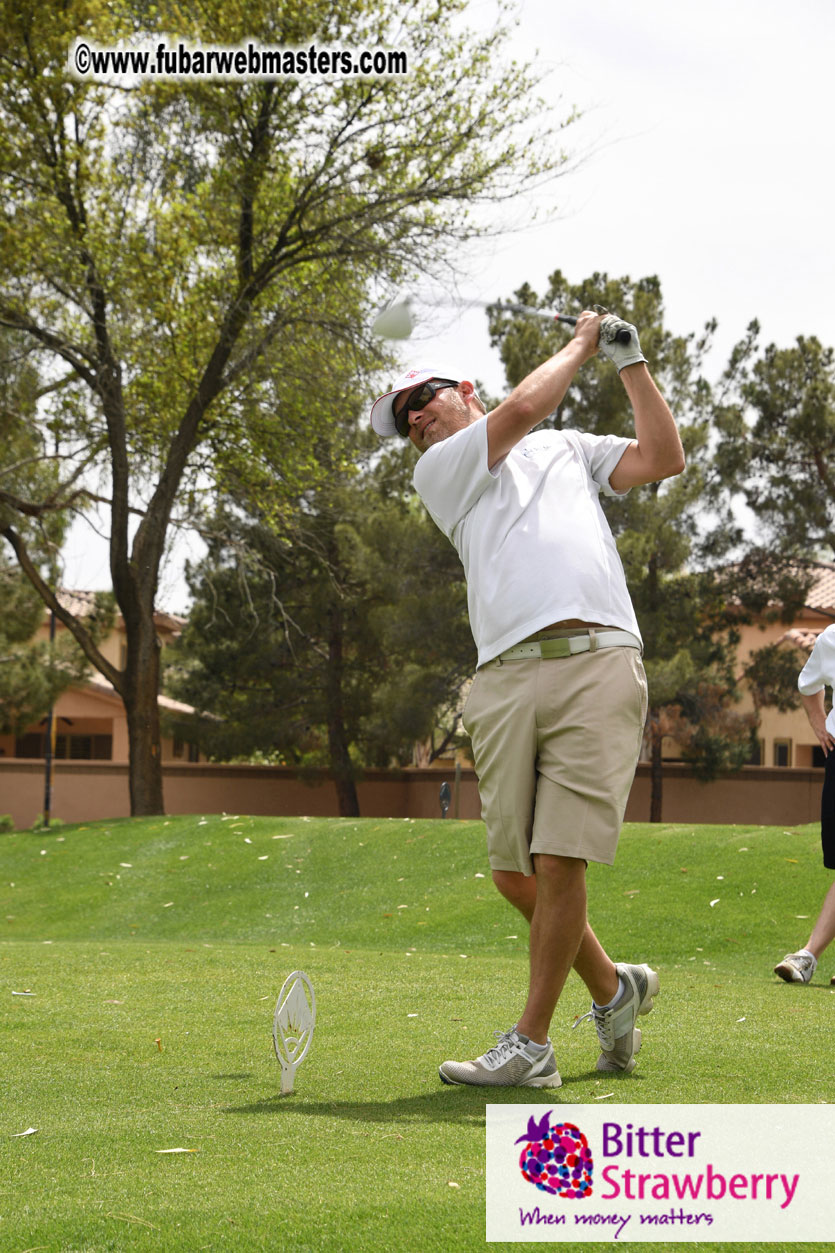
[{"x": 396, "y": 319}]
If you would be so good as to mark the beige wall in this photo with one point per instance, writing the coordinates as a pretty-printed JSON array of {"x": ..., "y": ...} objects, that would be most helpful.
[
  {"x": 86, "y": 791},
  {"x": 793, "y": 725}
]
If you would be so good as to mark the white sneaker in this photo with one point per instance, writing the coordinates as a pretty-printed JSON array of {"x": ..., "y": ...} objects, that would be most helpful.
[
  {"x": 619, "y": 1038},
  {"x": 797, "y": 967},
  {"x": 507, "y": 1064}
]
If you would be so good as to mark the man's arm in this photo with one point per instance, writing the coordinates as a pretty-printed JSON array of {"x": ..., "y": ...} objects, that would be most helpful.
[
  {"x": 657, "y": 452},
  {"x": 816, "y": 713},
  {"x": 541, "y": 392}
]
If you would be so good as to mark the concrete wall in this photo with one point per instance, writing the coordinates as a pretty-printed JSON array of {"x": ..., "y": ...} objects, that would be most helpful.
[
  {"x": 758, "y": 795},
  {"x": 86, "y": 791}
]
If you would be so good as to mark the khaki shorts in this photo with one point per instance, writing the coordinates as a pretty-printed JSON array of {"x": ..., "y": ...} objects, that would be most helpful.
[{"x": 555, "y": 745}]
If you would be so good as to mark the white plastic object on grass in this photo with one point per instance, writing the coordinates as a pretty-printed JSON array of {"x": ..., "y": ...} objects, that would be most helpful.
[{"x": 295, "y": 1018}]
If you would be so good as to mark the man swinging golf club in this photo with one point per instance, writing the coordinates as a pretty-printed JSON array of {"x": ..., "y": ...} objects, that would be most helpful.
[{"x": 557, "y": 708}]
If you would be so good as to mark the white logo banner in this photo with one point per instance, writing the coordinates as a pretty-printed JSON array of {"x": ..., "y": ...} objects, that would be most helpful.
[{"x": 659, "y": 1173}]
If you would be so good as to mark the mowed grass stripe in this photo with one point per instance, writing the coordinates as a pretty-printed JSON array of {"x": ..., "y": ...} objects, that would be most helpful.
[{"x": 393, "y": 884}]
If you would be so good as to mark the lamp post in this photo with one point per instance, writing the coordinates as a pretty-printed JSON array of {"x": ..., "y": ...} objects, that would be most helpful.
[{"x": 49, "y": 744}]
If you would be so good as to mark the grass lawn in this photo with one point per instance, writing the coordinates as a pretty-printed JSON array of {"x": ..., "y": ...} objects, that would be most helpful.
[{"x": 152, "y": 952}]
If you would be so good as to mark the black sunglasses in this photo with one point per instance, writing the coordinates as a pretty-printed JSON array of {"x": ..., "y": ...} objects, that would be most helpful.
[{"x": 418, "y": 399}]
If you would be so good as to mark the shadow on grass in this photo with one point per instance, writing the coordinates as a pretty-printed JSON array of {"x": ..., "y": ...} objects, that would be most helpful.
[
  {"x": 808, "y": 988},
  {"x": 447, "y": 1105},
  {"x": 604, "y": 1076},
  {"x": 454, "y": 1105}
]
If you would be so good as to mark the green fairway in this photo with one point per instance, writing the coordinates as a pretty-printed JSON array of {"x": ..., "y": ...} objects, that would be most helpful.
[{"x": 140, "y": 963}]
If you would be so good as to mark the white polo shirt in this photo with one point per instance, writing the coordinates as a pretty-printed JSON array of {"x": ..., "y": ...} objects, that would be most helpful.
[
  {"x": 531, "y": 533},
  {"x": 819, "y": 671}
]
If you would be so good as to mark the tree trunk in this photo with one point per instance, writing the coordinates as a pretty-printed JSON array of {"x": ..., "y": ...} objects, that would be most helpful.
[
  {"x": 142, "y": 674},
  {"x": 656, "y": 769}
]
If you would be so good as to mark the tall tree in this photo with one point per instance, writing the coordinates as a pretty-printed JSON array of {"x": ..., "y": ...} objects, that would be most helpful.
[
  {"x": 187, "y": 257},
  {"x": 777, "y": 424}
]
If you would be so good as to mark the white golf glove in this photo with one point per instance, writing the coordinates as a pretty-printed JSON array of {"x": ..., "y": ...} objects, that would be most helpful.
[{"x": 619, "y": 353}]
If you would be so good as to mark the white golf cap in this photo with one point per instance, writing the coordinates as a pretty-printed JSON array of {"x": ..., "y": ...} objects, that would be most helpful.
[{"x": 382, "y": 411}]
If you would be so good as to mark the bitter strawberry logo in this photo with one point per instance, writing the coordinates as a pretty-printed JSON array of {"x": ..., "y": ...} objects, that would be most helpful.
[{"x": 556, "y": 1159}]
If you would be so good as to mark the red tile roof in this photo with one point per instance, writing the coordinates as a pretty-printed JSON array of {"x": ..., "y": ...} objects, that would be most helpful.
[
  {"x": 822, "y": 592},
  {"x": 799, "y": 638}
]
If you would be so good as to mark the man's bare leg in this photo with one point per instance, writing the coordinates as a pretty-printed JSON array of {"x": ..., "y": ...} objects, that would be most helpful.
[
  {"x": 558, "y": 934},
  {"x": 596, "y": 969},
  {"x": 823, "y": 932},
  {"x": 591, "y": 961}
]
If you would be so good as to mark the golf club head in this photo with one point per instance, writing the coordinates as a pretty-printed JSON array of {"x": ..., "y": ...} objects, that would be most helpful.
[{"x": 395, "y": 320}]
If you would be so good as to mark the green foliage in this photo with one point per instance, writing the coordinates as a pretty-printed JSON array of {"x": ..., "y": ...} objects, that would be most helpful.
[
  {"x": 221, "y": 227},
  {"x": 766, "y": 585},
  {"x": 341, "y": 640},
  {"x": 778, "y": 439},
  {"x": 29, "y": 476},
  {"x": 39, "y": 825},
  {"x": 771, "y": 675},
  {"x": 716, "y": 739}
]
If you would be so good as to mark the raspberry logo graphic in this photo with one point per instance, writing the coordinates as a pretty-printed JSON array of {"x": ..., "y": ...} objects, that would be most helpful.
[{"x": 556, "y": 1159}]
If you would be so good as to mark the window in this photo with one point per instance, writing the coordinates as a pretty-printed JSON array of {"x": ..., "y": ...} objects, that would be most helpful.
[
  {"x": 67, "y": 747},
  {"x": 185, "y": 749},
  {"x": 84, "y": 747},
  {"x": 31, "y": 745},
  {"x": 782, "y": 752}
]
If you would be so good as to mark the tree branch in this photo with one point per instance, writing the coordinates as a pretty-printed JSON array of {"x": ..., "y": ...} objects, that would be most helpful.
[
  {"x": 70, "y": 621},
  {"x": 74, "y": 355}
]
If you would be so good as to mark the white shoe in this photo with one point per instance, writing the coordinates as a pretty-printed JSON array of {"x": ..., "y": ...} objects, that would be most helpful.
[
  {"x": 506, "y": 1064},
  {"x": 619, "y": 1038},
  {"x": 797, "y": 967}
]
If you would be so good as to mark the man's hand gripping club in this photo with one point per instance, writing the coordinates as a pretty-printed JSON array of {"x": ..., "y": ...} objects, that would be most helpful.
[{"x": 612, "y": 347}]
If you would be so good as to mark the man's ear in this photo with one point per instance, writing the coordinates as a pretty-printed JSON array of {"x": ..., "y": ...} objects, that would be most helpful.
[{"x": 468, "y": 393}]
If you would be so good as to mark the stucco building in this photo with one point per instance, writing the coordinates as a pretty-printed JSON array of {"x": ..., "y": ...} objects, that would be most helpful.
[{"x": 90, "y": 720}]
